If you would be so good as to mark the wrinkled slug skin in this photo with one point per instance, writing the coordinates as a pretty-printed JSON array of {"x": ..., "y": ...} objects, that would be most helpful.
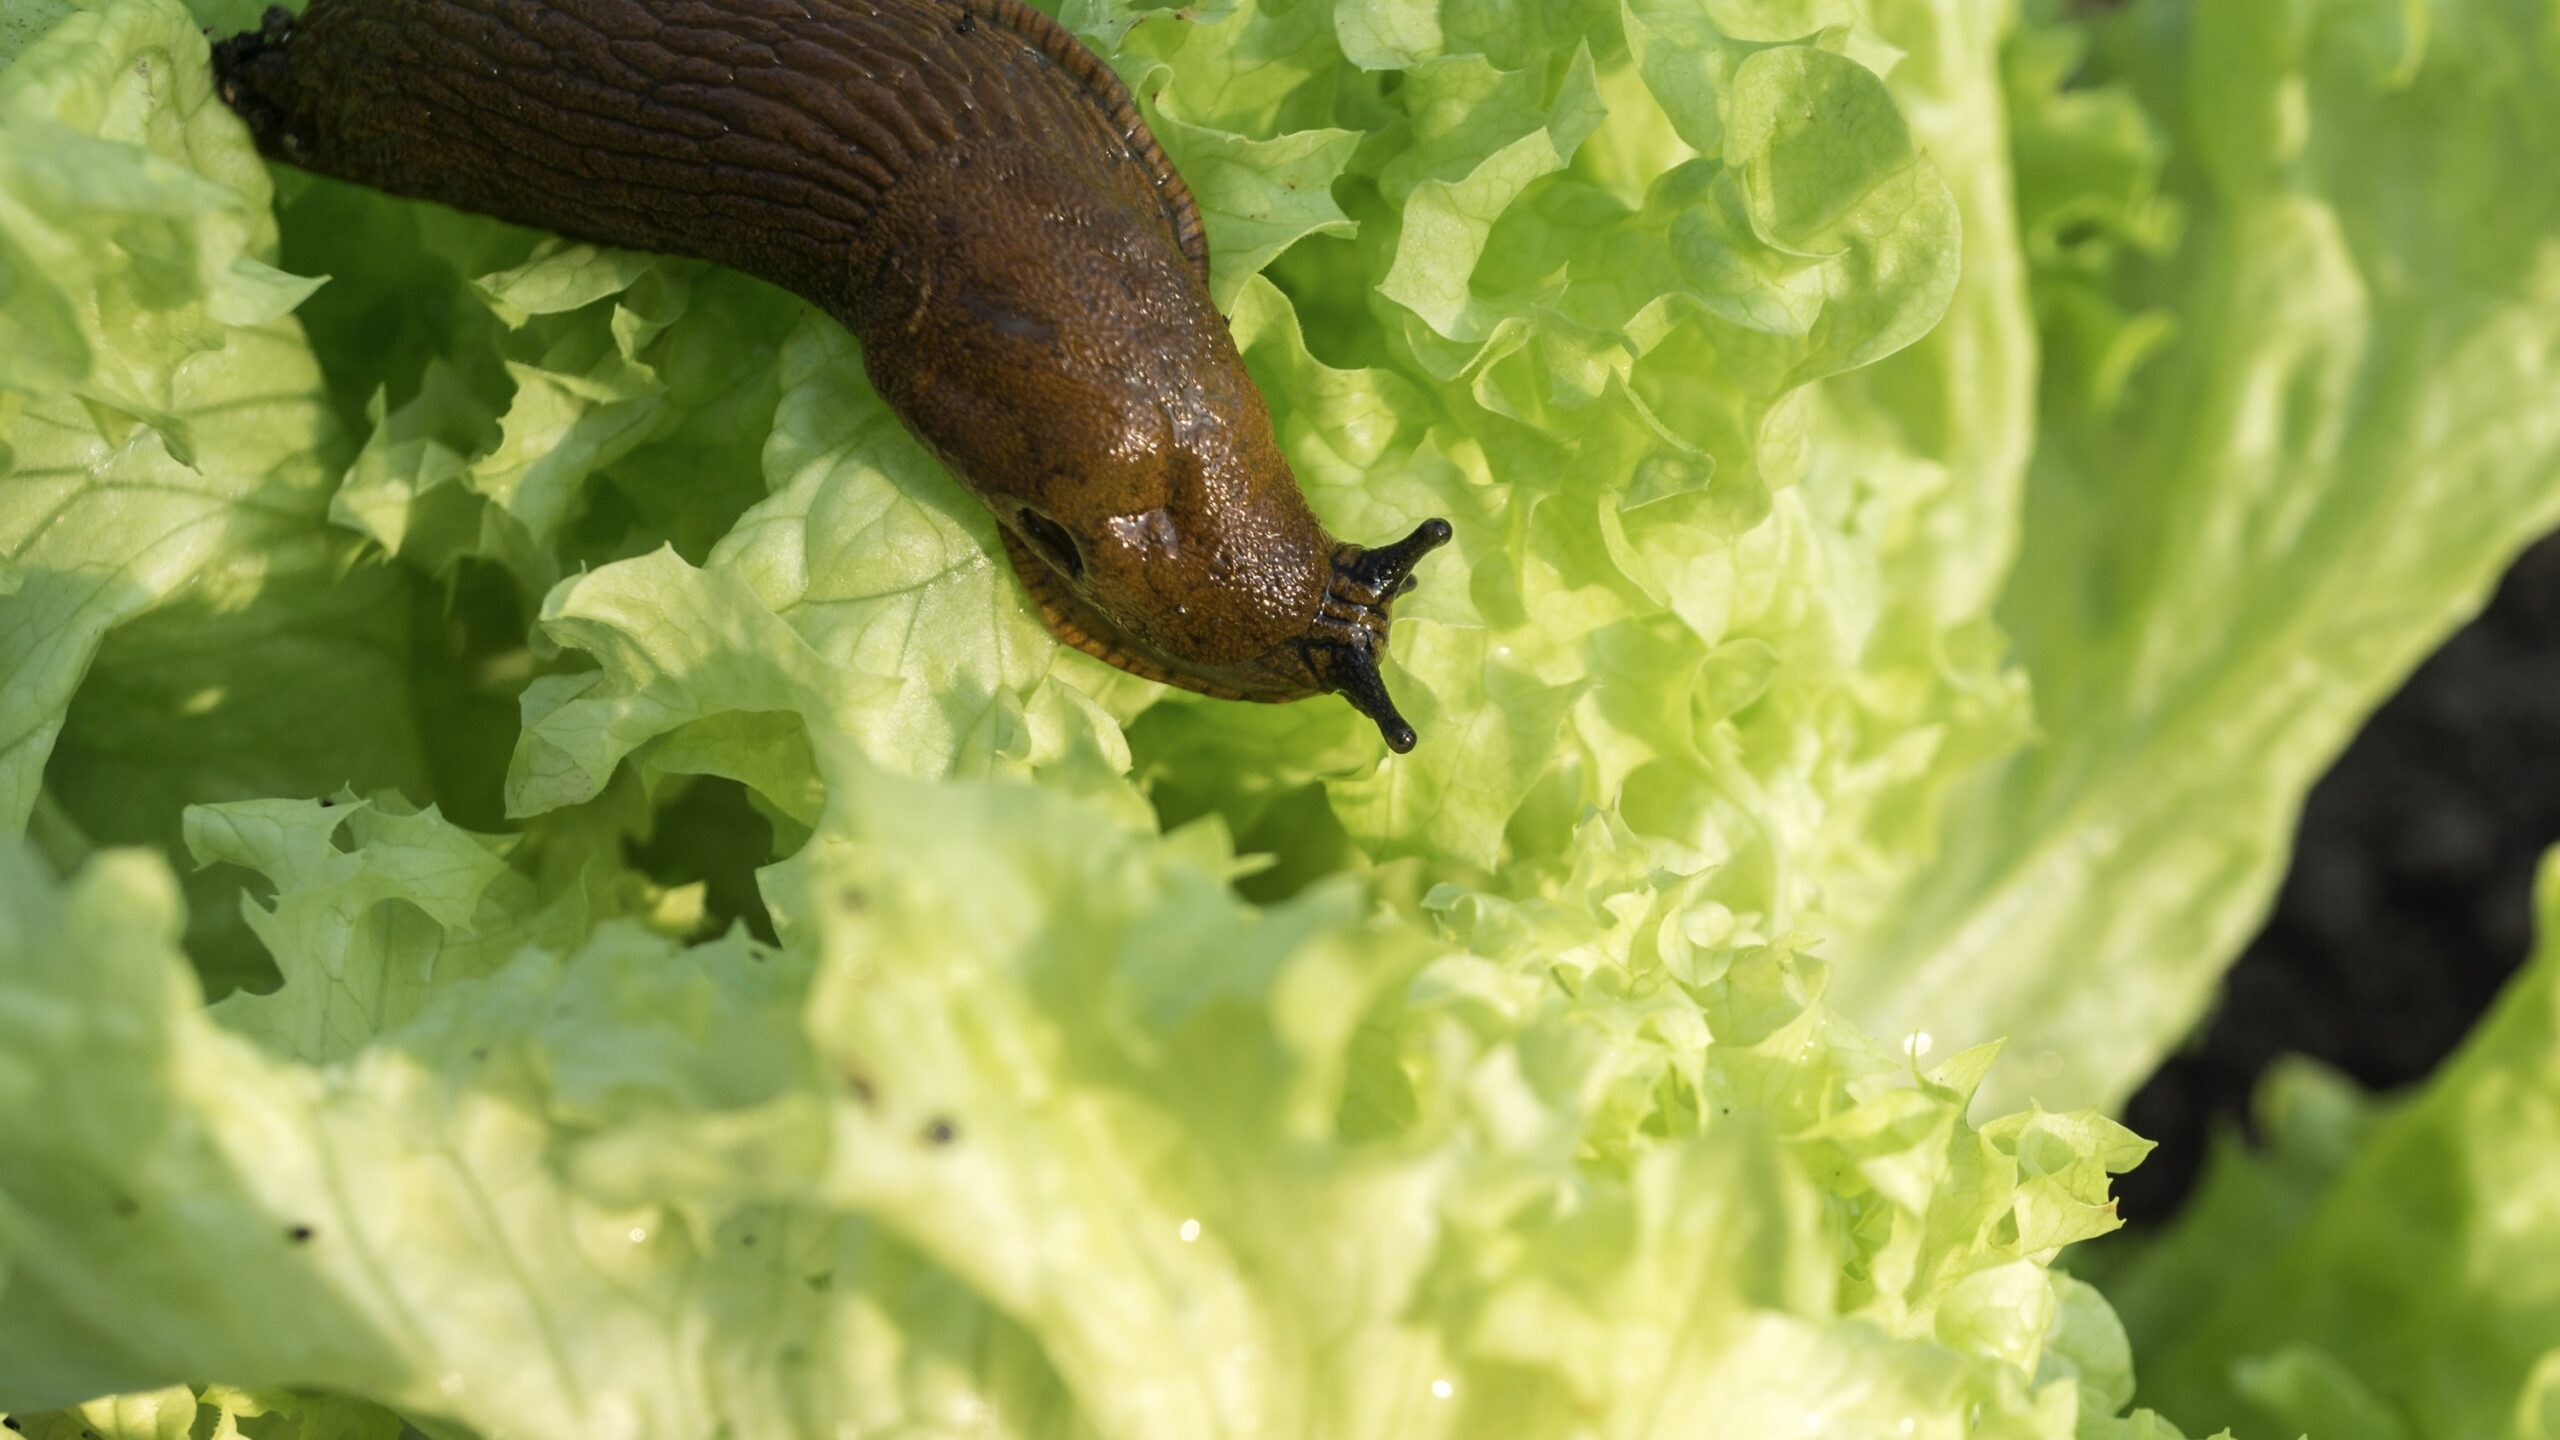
[{"x": 968, "y": 190}]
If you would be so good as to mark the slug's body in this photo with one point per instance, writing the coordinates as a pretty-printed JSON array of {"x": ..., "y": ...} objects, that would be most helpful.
[{"x": 965, "y": 187}]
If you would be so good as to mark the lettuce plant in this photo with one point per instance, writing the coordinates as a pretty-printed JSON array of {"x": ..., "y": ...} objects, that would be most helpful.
[{"x": 565, "y": 892}]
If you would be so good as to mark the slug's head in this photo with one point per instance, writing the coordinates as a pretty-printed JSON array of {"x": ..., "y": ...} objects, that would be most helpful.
[
  {"x": 1350, "y": 631},
  {"x": 1226, "y": 607},
  {"x": 1060, "y": 352}
]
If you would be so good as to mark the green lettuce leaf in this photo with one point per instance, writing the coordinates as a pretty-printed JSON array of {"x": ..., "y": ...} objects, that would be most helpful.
[
  {"x": 1592, "y": 347},
  {"x": 2376, "y": 1271},
  {"x": 374, "y": 909},
  {"x": 1030, "y": 1122},
  {"x": 177, "y": 605},
  {"x": 2230, "y": 553},
  {"x": 178, "y": 1413}
]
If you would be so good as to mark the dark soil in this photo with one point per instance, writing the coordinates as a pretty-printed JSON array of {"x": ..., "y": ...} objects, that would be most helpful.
[{"x": 2409, "y": 901}]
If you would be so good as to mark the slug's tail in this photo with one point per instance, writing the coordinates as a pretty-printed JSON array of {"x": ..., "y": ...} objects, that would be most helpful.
[
  {"x": 253, "y": 75},
  {"x": 1366, "y": 583}
]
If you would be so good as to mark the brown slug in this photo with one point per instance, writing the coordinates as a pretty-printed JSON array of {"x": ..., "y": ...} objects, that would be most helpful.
[{"x": 973, "y": 194}]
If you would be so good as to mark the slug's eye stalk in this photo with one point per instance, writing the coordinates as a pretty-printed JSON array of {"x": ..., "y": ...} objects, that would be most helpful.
[
  {"x": 1352, "y": 627},
  {"x": 1388, "y": 570}
]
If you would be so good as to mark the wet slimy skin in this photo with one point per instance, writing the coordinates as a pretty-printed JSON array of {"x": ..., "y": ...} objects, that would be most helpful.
[{"x": 966, "y": 188}]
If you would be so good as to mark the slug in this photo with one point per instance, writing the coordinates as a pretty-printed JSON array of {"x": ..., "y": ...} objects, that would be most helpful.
[{"x": 968, "y": 190}]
